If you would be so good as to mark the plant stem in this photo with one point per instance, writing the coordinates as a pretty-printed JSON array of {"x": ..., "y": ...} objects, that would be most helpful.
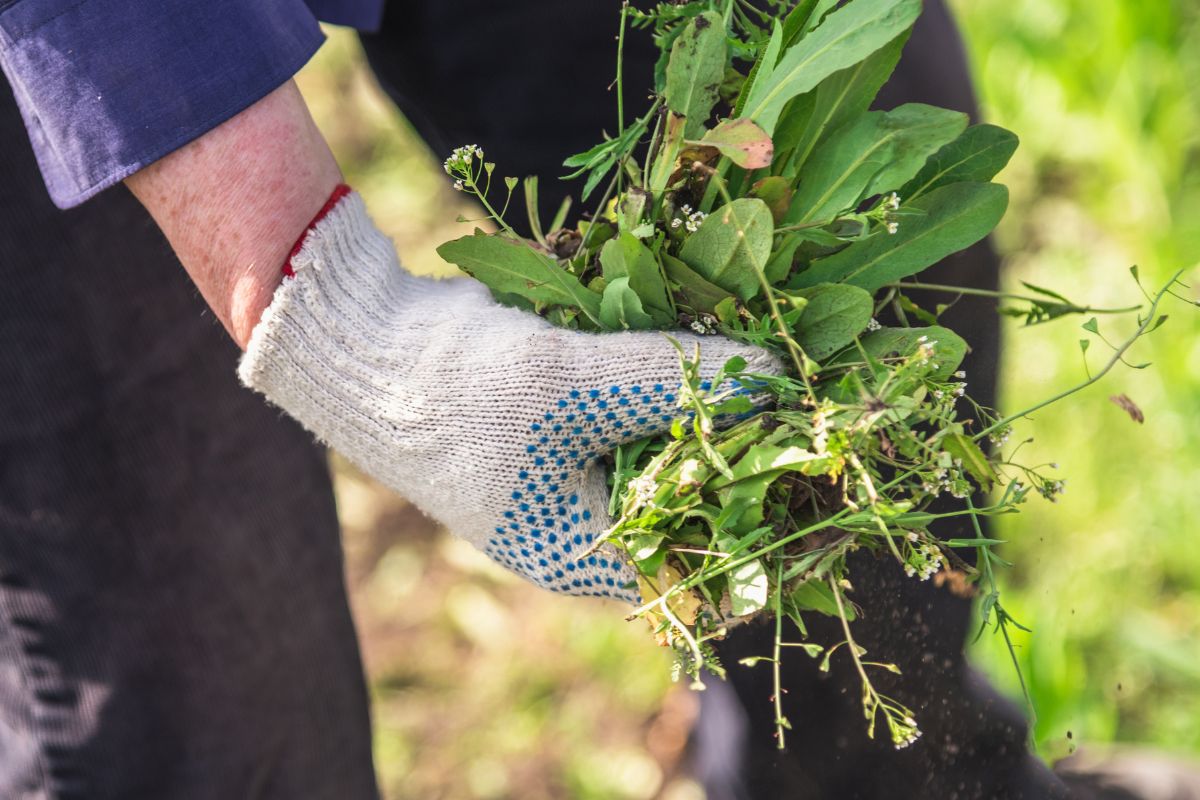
[
  {"x": 781, "y": 723},
  {"x": 941, "y": 287},
  {"x": 1112, "y": 362}
]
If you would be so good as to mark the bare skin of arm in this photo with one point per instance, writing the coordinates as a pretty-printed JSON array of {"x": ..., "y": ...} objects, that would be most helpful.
[{"x": 233, "y": 202}]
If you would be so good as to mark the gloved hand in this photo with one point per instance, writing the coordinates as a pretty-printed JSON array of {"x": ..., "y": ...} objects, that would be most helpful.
[{"x": 488, "y": 418}]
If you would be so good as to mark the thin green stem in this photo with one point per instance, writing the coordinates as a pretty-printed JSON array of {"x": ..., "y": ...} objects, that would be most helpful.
[
  {"x": 967, "y": 290},
  {"x": 1112, "y": 362},
  {"x": 781, "y": 723}
]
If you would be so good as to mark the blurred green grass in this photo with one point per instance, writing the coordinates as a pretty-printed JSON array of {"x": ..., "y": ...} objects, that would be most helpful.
[{"x": 486, "y": 688}]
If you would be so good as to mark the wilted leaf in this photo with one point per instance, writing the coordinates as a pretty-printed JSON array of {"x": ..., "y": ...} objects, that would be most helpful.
[
  {"x": 512, "y": 267},
  {"x": 1129, "y": 407},
  {"x": 743, "y": 142},
  {"x": 731, "y": 245},
  {"x": 695, "y": 71}
]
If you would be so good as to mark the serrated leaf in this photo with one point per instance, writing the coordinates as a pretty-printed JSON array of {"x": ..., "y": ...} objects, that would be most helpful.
[
  {"x": 976, "y": 156},
  {"x": 621, "y": 309},
  {"x": 626, "y": 257},
  {"x": 835, "y": 315},
  {"x": 731, "y": 245},
  {"x": 696, "y": 291},
  {"x": 844, "y": 38},
  {"x": 748, "y": 588},
  {"x": 874, "y": 153},
  {"x": 742, "y": 142},
  {"x": 513, "y": 267},
  {"x": 695, "y": 71},
  {"x": 952, "y": 218}
]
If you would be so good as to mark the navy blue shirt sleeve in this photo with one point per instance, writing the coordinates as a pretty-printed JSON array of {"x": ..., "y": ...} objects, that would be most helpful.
[{"x": 107, "y": 87}]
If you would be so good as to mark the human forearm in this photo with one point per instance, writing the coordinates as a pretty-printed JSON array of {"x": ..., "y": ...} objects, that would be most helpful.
[{"x": 233, "y": 202}]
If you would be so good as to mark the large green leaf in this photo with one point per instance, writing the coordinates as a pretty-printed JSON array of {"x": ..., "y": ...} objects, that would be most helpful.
[
  {"x": 731, "y": 245},
  {"x": 948, "y": 219},
  {"x": 808, "y": 120},
  {"x": 626, "y": 257},
  {"x": 621, "y": 308},
  {"x": 507, "y": 266},
  {"x": 695, "y": 71},
  {"x": 873, "y": 153},
  {"x": 846, "y": 37},
  {"x": 835, "y": 314},
  {"x": 976, "y": 156}
]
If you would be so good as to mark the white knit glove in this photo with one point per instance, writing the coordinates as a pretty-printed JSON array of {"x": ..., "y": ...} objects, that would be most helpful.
[{"x": 488, "y": 418}]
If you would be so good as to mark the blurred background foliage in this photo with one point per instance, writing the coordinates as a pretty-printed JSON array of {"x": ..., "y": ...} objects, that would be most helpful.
[{"x": 486, "y": 688}]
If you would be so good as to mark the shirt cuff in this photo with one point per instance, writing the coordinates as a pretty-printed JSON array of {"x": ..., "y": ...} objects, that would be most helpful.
[{"x": 107, "y": 87}]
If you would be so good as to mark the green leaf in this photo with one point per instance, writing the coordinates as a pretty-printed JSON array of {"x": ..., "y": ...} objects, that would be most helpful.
[
  {"x": 973, "y": 459},
  {"x": 975, "y": 157},
  {"x": 766, "y": 61},
  {"x": 844, "y": 38},
  {"x": 948, "y": 347},
  {"x": 621, "y": 309},
  {"x": 748, "y": 588},
  {"x": 836, "y": 313},
  {"x": 697, "y": 292},
  {"x": 626, "y": 257},
  {"x": 513, "y": 267},
  {"x": 776, "y": 192},
  {"x": 817, "y": 596},
  {"x": 876, "y": 152},
  {"x": 809, "y": 119},
  {"x": 743, "y": 142},
  {"x": 952, "y": 218},
  {"x": 780, "y": 265},
  {"x": 731, "y": 245},
  {"x": 695, "y": 71}
]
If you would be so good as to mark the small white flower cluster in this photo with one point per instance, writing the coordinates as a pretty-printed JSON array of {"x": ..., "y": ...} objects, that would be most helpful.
[
  {"x": 1052, "y": 489},
  {"x": 705, "y": 325},
  {"x": 947, "y": 479},
  {"x": 459, "y": 162},
  {"x": 925, "y": 351},
  {"x": 874, "y": 325},
  {"x": 820, "y": 437},
  {"x": 891, "y": 203},
  {"x": 690, "y": 219},
  {"x": 904, "y": 732},
  {"x": 923, "y": 561},
  {"x": 644, "y": 488},
  {"x": 1000, "y": 437}
]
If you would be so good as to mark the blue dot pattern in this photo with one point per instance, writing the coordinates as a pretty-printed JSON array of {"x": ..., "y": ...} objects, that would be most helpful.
[{"x": 547, "y": 529}]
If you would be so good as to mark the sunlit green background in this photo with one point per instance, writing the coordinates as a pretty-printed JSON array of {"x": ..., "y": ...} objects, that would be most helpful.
[{"x": 485, "y": 688}]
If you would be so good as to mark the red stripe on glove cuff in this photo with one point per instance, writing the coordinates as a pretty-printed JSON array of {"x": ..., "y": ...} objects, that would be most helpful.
[{"x": 341, "y": 191}]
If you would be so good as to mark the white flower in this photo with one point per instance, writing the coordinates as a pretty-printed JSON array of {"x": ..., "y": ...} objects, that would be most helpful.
[
  {"x": 458, "y": 185},
  {"x": 893, "y": 228},
  {"x": 644, "y": 488},
  {"x": 874, "y": 325},
  {"x": 893, "y": 202}
]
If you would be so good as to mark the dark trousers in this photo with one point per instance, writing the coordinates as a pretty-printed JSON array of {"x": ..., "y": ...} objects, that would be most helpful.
[{"x": 173, "y": 620}]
